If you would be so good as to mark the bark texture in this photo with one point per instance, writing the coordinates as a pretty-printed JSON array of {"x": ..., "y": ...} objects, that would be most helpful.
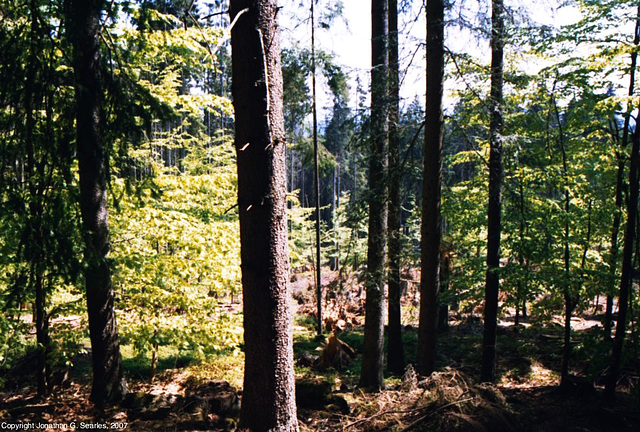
[
  {"x": 371, "y": 376},
  {"x": 268, "y": 402},
  {"x": 488, "y": 365},
  {"x": 84, "y": 21},
  {"x": 431, "y": 230},
  {"x": 395, "y": 348}
]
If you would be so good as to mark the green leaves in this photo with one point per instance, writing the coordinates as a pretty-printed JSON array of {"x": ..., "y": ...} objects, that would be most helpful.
[{"x": 176, "y": 255}]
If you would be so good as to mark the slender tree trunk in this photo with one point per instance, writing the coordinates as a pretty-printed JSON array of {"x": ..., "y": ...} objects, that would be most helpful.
[
  {"x": 316, "y": 173},
  {"x": 569, "y": 292},
  {"x": 627, "y": 269},
  {"x": 615, "y": 229},
  {"x": 494, "y": 227},
  {"x": 395, "y": 348},
  {"x": 84, "y": 20},
  {"x": 443, "y": 312},
  {"x": 371, "y": 376},
  {"x": 570, "y": 299},
  {"x": 431, "y": 229},
  {"x": 43, "y": 371},
  {"x": 268, "y": 402},
  {"x": 521, "y": 286},
  {"x": 35, "y": 187},
  {"x": 608, "y": 316}
]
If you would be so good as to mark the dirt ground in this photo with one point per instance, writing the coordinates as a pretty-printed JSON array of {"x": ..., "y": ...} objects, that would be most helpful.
[{"x": 527, "y": 397}]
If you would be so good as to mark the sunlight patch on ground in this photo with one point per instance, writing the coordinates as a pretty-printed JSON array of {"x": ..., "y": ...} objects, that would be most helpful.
[
  {"x": 577, "y": 323},
  {"x": 539, "y": 376}
]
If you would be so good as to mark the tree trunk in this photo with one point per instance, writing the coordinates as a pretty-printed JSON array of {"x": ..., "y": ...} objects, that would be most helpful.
[
  {"x": 395, "y": 348},
  {"x": 371, "y": 376},
  {"x": 316, "y": 173},
  {"x": 570, "y": 294},
  {"x": 488, "y": 366},
  {"x": 570, "y": 298},
  {"x": 443, "y": 312},
  {"x": 43, "y": 371},
  {"x": 84, "y": 26},
  {"x": 615, "y": 228},
  {"x": 268, "y": 402},
  {"x": 431, "y": 230},
  {"x": 608, "y": 316},
  {"x": 35, "y": 181},
  {"x": 521, "y": 286},
  {"x": 627, "y": 269}
]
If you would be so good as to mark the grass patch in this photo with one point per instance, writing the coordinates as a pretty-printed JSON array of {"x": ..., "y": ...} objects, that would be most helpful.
[
  {"x": 169, "y": 357},
  {"x": 228, "y": 366}
]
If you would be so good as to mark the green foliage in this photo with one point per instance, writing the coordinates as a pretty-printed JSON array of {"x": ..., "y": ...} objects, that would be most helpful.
[
  {"x": 176, "y": 254},
  {"x": 301, "y": 240},
  {"x": 12, "y": 340}
]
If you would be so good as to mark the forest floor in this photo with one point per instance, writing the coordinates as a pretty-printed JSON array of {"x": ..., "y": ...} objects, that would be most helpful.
[{"x": 204, "y": 397}]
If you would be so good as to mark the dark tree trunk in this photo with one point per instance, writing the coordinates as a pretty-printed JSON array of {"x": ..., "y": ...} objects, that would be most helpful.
[
  {"x": 608, "y": 316},
  {"x": 268, "y": 402},
  {"x": 570, "y": 294},
  {"x": 627, "y": 269},
  {"x": 84, "y": 26},
  {"x": 371, "y": 376},
  {"x": 395, "y": 348},
  {"x": 431, "y": 230},
  {"x": 43, "y": 371},
  {"x": 521, "y": 286},
  {"x": 615, "y": 228},
  {"x": 316, "y": 173},
  {"x": 570, "y": 298},
  {"x": 35, "y": 183},
  {"x": 488, "y": 365},
  {"x": 443, "y": 312}
]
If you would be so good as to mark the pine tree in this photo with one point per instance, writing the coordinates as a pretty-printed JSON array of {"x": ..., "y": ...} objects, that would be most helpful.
[
  {"x": 487, "y": 368},
  {"x": 84, "y": 28},
  {"x": 431, "y": 236},
  {"x": 371, "y": 376},
  {"x": 268, "y": 402}
]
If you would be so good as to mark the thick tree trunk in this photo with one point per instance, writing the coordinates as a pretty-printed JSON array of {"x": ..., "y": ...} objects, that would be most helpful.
[
  {"x": 431, "y": 230},
  {"x": 371, "y": 376},
  {"x": 268, "y": 402},
  {"x": 84, "y": 20},
  {"x": 395, "y": 348},
  {"x": 488, "y": 366}
]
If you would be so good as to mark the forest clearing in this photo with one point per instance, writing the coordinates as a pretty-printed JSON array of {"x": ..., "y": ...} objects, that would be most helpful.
[{"x": 213, "y": 218}]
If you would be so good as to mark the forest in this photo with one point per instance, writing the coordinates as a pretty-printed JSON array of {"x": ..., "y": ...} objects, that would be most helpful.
[{"x": 212, "y": 218}]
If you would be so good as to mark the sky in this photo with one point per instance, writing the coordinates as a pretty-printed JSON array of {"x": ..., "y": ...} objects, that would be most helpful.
[{"x": 349, "y": 38}]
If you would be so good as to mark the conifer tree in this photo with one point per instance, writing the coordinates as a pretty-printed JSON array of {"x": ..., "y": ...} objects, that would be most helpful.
[{"x": 268, "y": 402}]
